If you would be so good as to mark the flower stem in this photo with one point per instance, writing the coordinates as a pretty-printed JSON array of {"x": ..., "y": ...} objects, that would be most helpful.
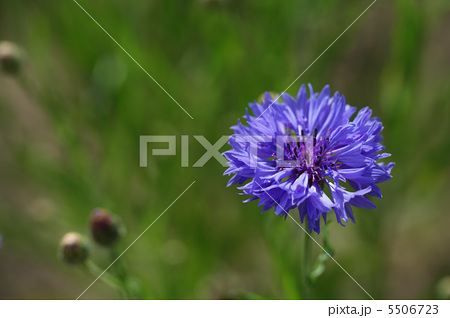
[
  {"x": 305, "y": 282},
  {"x": 121, "y": 274},
  {"x": 91, "y": 268}
]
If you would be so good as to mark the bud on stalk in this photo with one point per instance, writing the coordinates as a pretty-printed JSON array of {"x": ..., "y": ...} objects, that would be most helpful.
[
  {"x": 11, "y": 57},
  {"x": 104, "y": 227},
  {"x": 73, "y": 248}
]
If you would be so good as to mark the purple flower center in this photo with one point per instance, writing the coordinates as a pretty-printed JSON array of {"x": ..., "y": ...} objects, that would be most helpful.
[{"x": 309, "y": 153}]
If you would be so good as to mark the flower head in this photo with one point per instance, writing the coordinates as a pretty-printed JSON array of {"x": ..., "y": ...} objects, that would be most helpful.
[
  {"x": 308, "y": 153},
  {"x": 73, "y": 248},
  {"x": 11, "y": 57},
  {"x": 104, "y": 227}
]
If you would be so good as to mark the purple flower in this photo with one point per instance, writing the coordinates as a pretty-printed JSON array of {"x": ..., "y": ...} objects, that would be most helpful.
[{"x": 308, "y": 153}]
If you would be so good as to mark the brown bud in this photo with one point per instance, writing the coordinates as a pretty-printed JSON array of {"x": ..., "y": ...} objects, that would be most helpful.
[
  {"x": 104, "y": 227},
  {"x": 73, "y": 248},
  {"x": 11, "y": 57}
]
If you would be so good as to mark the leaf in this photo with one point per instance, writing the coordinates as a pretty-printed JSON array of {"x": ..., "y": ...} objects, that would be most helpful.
[{"x": 319, "y": 265}]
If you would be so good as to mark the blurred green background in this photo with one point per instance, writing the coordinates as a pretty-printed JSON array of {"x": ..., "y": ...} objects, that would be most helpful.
[{"x": 70, "y": 123}]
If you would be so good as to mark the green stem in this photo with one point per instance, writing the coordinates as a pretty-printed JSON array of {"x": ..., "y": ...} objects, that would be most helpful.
[
  {"x": 91, "y": 268},
  {"x": 117, "y": 277},
  {"x": 121, "y": 275},
  {"x": 305, "y": 282}
]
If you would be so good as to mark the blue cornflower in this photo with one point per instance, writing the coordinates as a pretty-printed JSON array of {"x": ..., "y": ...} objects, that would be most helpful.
[{"x": 307, "y": 153}]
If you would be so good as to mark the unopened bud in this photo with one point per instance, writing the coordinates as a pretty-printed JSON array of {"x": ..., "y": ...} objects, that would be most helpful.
[
  {"x": 11, "y": 57},
  {"x": 104, "y": 227},
  {"x": 73, "y": 248}
]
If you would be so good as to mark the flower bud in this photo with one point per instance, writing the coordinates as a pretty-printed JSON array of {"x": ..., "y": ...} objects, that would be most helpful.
[
  {"x": 73, "y": 248},
  {"x": 104, "y": 227},
  {"x": 11, "y": 57}
]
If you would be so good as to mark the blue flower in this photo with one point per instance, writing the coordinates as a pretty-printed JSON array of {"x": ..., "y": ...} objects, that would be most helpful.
[{"x": 308, "y": 153}]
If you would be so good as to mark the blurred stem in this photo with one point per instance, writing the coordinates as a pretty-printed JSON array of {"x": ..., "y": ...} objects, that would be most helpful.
[
  {"x": 92, "y": 268},
  {"x": 121, "y": 274},
  {"x": 118, "y": 278},
  {"x": 305, "y": 282}
]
